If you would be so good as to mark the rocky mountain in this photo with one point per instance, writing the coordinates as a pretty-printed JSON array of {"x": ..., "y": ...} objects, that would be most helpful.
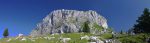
[{"x": 68, "y": 21}]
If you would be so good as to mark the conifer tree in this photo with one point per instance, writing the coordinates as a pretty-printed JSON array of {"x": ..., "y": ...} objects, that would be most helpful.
[
  {"x": 6, "y": 34},
  {"x": 86, "y": 28},
  {"x": 143, "y": 23}
]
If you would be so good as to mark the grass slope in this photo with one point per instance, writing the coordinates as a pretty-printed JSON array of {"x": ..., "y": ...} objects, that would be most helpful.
[{"x": 75, "y": 38}]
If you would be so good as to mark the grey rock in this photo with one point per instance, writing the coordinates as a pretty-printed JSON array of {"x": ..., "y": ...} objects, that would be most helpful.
[{"x": 68, "y": 21}]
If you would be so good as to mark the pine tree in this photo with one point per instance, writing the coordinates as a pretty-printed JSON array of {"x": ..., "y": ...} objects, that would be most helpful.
[
  {"x": 5, "y": 34},
  {"x": 86, "y": 28},
  {"x": 143, "y": 23}
]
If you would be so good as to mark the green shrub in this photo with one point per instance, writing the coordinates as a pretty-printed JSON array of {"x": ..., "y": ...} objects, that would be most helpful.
[{"x": 97, "y": 27}]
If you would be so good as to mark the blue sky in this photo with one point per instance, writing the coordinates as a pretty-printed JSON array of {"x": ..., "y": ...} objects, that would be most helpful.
[{"x": 21, "y": 16}]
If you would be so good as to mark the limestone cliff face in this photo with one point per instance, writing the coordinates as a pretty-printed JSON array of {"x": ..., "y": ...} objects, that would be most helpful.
[{"x": 66, "y": 21}]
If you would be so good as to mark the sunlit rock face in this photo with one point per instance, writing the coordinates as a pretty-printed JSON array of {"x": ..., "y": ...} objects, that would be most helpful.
[{"x": 68, "y": 21}]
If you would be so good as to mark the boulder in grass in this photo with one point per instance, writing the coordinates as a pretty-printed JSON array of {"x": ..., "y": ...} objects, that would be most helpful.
[
  {"x": 55, "y": 34},
  {"x": 91, "y": 42},
  {"x": 99, "y": 41},
  {"x": 23, "y": 39},
  {"x": 65, "y": 40},
  {"x": 93, "y": 38},
  {"x": 85, "y": 37}
]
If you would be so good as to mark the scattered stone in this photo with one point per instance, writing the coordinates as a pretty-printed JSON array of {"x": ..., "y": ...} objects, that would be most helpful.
[
  {"x": 91, "y": 42},
  {"x": 112, "y": 41},
  {"x": 55, "y": 34},
  {"x": 49, "y": 38},
  {"x": 93, "y": 38},
  {"x": 99, "y": 41},
  {"x": 65, "y": 40},
  {"x": 85, "y": 37},
  {"x": 108, "y": 40},
  {"x": 23, "y": 39}
]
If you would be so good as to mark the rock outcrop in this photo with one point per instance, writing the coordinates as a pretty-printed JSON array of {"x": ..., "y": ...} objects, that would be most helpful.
[{"x": 67, "y": 21}]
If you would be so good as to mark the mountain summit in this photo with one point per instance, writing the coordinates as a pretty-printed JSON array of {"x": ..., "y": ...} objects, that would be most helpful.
[{"x": 70, "y": 21}]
